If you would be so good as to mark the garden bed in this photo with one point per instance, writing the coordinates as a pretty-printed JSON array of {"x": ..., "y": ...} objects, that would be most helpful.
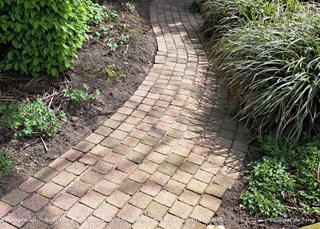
[{"x": 116, "y": 74}]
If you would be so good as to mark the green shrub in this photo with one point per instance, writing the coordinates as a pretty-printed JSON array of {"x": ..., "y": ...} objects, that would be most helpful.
[
  {"x": 43, "y": 35},
  {"x": 284, "y": 179},
  {"x": 279, "y": 66},
  {"x": 26, "y": 119},
  {"x": 5, "y": 165}
]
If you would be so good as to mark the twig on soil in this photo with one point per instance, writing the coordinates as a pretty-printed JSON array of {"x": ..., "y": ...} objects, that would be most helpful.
[
  {"x": 44, "y": 144},
  {"x": 28, "y": 145}
]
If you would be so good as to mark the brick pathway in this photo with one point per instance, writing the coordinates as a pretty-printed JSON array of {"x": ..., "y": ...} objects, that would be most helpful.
[{"x": 164, "y": 160}]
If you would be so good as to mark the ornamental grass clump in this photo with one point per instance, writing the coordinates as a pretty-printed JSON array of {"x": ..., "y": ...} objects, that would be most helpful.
[{"x": 279, "y": 66}]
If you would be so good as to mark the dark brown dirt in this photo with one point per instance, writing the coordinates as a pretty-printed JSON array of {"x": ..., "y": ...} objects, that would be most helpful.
[{"x": 133, "y": 61}]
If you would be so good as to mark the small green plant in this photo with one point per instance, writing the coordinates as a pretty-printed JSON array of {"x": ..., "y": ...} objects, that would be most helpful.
[
  {"x": 5, "y": 165},
  {"x": 113, "y": 71},
  {"x": 26, "y": 119},
  {"x": 129, "y": 7},
  {"x": 111, "y": 15},
  {"x": 124, "y": 38},
  {"x": 81, "y": 95},
  {"x": 112, "y": 46},
  {"x": 285, "y": 179}
]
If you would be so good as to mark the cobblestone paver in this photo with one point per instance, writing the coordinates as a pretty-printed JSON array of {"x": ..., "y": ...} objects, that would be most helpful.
[{"x": 164, "y": 160}]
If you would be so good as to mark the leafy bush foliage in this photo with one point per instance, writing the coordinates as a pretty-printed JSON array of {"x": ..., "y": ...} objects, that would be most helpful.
[
  {"x": 5, "y": 165},
  {"x": 43, "y": 35},
  {"x": 26, "y": 119},
  {"x": 284, "y": 178},
  {"x": 279, "y": 65}
]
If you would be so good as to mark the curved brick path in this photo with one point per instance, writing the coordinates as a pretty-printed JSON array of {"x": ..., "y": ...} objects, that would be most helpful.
[{"x": 163, "y": 160}]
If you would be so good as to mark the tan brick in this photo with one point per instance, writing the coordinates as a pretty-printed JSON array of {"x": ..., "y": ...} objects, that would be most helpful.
[
  {"x": 181, "y": 209},
  {"x": 92, "y": 199},
  {"x": 148, "y": 166},
  {"x": 94, "y": 138},
  {"x": 163, "y": 126},
  {"x": 181, "y": 150},
  {"x": 15, "y": 197},
  {"x": 129, "y": 186},
  {"x": 35, "y": 203},
  {"x": 126, "y": 166},
  {"x": 113, "y": 158},
  {"x": 7, "y": 226},
  {"x": 118, "y": 198},
  {"x": 121, "y": 149},
  {"x": 189, "y": 167},
  {"x": 112, "y": 123},
  {"x": 145, "y": 222},
  {"x": 116, "y": 176},
  {"x": 119, "y": 223},
  {"x": 59, "y": 164},
  {"x": 93, "y": 223},
  {"x": 46, "y": 174},
  {"x": 224, "y": 181},
  {"x": 33, "y": 225},
  {"x": 142, "y": 148},
  {"x": 31, "y": 185},
  {"x": 216, "y": 159},
  {"x": 72, "y": 155},
  {"x": 4, "y": 209},
  {"x": 92, "y": 177},
  {"x": 105, "y": 187},
  {"x": 126, "y": 127},
  {"x": 151, "y": 120},
  {"x": 139, "y": 176},
  {"x": 216, "y": 190},
  {"x": 64, "y": 178},
  {"x": 151, "y": 188},
  {"x": 189, "y": 197},
  {"x": 65, "y": 201},
  {"x": 89, "y": 159},
  {"x": 159, "y": 178},
  {"x": 100, "y": 150},
  {"x": 136, "y": 157},
  {"x": 210, "y": 202},
  {"x": 133, "y": 120},
  {"x": 139, "y": 114},
  {"x": 195, "y": 158},
  {"x": 203, "y": 176},
  {"x": 125, "y": 110},
  {"x": 105, "y": 212},
  {"x": 171, "y": 222},
  {"x": 79, "y": 188},
  {"x": 118, "y": 134},
  {"x": 210, "y": 168},
  {"x": 165, "y": 198},
  {"x": 202, "y": 214},
  {"x": 84, "y": 146},
  {"x": 168, "y": 169},
  {"x": 130, "y": 141},
  {"x": 170, "y": 141},
  {"x": 201, "y": 150},
  {"x": 193, "y": 224},
  {"x": 140, "y": 200},
  {"x": 138, "y": 133},
  {"x": 156, "y": 157},
  {"x": 119, "y": 117},
  {"x": 174, "y": 187},
  {"x": 104, "y": 131},
  {"x": 110, "y": 142},
  {"x": 50, "y": 214},
  {"x": 157, "y": 133},
  {"x": 102, "y": 167},
  {"x": 196, "y": 186},
  {"x": 156, "y": 211},
  {"x": 79, "y": 212},
  {"x": 76, "y": 168},
  {"x": 129, "y": 213},
  {"x": 175, "y": 159},
  {"x": 19, "y": 216}
]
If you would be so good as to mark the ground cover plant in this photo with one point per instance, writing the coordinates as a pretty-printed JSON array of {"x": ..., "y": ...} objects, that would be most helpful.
[{"x": 285, "y": 181}]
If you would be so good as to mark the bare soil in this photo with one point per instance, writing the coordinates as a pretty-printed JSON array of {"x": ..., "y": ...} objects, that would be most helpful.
[{"x": 133, "y": 61}]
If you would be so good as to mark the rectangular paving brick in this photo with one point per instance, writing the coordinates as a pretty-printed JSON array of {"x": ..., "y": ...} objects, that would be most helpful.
[
  {"x": 92, "y": 177},
  {"x": 31, "y": 184},
  {"x": 139, "y": 176},
  {"x": 112, "y": 123},
  {"x": 136, "y": 157},
  {"x": 19, "y": 216},
  {"x": 121, "y": 149},
  {"x": 156, "y": 211},
  {"x": 170, "y": 221},
  {"x": 197, "y": 186},
  {"x": 100, "y": 150},
  {"x": 110, "y": 142},
  {"x": 156, "y": 157},
  {"x": 50, "y": 189},
  {"x": 140, "y": 200},
  {"x": 35, "y": 202},
  {"x": 4, "y": 209},
  {"x": 105, "y": 212},
  {"x": 119, "y": 134},
  {"x": 64, "y": 178},
  {"x": 79, "y": 212},
  {"x": 94, "y": 138},
  {"x": 65, "y": 201},
  {"x": 84, "y": 146},
  {"x": 190, "y": 197},
  {"x": 116, "y": 176},
  {"x": 50, "y": 214},
  {"x": 76, "y": 168},
  {"x": 79, "y": 189},
  {"x": 103, "y": 167},
  {"x": 165, "y": 198},
  {"x": 159, "y": 178},
  {"x": 92, "y": 199},
  {"x": 129, "y": 213},
  {"x": 89, "y": 159},
  {"x": 210, "y": 202},
  {"x": 118, "y": 198},
  {"x": 72, "y": 155},
  {"x": 202, "y": 214},
  {"x": 129, "y": 186},
  {"x": 105, "y": 187},
  {"x": 174, "y": 187},
  {"x": 59, "y": 164},
  {"x": 189, "y": 167},
  {"x": 15, "y": 197},
  {"x": 126, "y": 166},
  {"x": 167, "y": 168}
]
